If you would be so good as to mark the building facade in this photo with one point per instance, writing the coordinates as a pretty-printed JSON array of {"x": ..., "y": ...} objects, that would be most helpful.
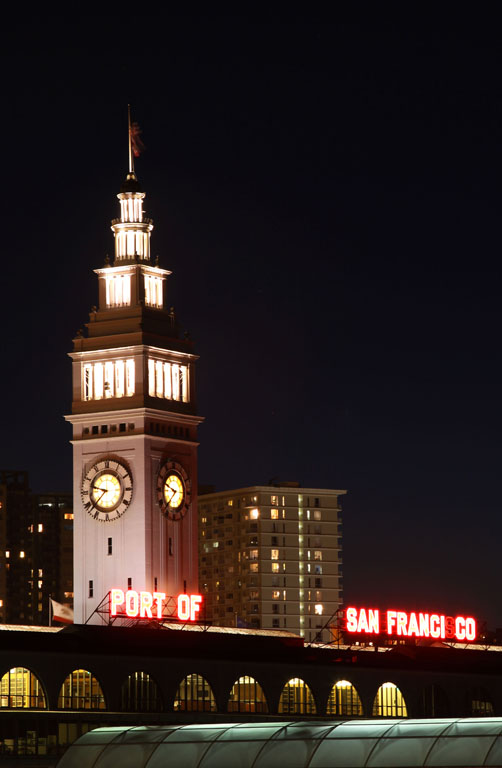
[
  {"x": 36, "y": 545},
  {"x": 119, "y": 676},
  {"x": 134, "y": 429},
  {"x": 270, "y": 557}
]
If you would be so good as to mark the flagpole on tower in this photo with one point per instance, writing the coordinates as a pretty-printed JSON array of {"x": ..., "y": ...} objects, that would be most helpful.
[{"x": 131, "y": 160}]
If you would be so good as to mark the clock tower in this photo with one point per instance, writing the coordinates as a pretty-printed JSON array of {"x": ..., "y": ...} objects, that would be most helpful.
[{"x": 134, "y": 428}]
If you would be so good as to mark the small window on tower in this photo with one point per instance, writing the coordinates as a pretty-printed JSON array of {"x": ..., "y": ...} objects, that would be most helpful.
[
  {"x": 110, "y": 546},
  {"x": 91, "y": 588},
  {"x": 129, "y": 583},
  {"x": 170, "y": 546}
]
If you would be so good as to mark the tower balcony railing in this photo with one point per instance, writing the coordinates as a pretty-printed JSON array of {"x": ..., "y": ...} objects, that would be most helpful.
[{"x": 144, "y": 220}]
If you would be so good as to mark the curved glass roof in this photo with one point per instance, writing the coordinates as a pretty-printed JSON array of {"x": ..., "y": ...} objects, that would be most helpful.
[{"x": 451, "y": 742}]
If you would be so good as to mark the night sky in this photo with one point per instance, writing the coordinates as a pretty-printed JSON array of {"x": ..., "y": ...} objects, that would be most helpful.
[{"x": 328, "y": 199}]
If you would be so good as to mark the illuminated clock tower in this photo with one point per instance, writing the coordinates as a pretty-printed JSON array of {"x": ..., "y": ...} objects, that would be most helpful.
[{"x": 134, "y": 428}]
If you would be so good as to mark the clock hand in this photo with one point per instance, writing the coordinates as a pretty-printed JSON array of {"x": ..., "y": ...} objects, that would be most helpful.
[{"x": 103, "y": 491}]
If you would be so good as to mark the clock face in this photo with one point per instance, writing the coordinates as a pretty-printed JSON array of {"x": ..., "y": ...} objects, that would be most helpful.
[
  {"x": 107, "y": 490},
  {"x": 173, "y": 490}
]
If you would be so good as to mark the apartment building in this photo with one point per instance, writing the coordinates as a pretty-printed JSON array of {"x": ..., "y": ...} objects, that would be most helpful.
[{"x": 270, "y": 557}]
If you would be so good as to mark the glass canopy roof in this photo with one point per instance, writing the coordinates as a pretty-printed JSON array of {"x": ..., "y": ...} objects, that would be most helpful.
[{"x": 451, "y": 742}]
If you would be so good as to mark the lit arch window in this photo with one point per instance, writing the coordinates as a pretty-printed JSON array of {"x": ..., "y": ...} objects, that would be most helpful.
[
  {"x": 20, "y": 688},
  {"x": 296, "y": 698},
  {"x": 194, "y": 694},
  {"x": 344, "y": 700},
  {"x": 81, "y": 690},
  {"x": 389, "y": 702},
  {"x": 140, "y": 693},
  {"x": 247, "y": 696}
]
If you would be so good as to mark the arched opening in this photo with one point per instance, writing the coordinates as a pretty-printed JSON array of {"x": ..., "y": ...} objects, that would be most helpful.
[
  {"x": 81, "y": 690},
  {"x": 344, "y": 700},
  {"x": 140, "y": 693},
  {"x": 479, "y": 702},
  {"x": 20, "y": 688},
  {"x": 194, "y": 694},
  {"x": 296, "y": 698},
  {"x": 389, "y": 702},
  {"x": 247, "y": 696},
  {"x": 434, "y": 702}
]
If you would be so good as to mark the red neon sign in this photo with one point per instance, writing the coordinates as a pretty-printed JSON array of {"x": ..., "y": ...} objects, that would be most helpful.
[
  {"x": 149, "y": 605},
  {"x": 402, "y": 624}
]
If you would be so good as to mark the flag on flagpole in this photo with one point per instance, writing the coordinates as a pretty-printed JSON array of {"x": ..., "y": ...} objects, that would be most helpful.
[
  {"x": 62, "y": 613},
  {"x": 136, "y": 143}
]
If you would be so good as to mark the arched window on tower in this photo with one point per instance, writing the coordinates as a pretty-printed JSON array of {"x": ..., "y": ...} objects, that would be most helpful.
[
  {"x": 20, "y": 688},
  {"x": 194, "y": 694},
  {"x": 81, "y": 690},
  {"x": 296, "y": 698},
  {"x": 344, "y": 700},
  {"x": 389, "y": 702},
  {"x": 247, "y": 696},
  {"x": 140, "y": 693}
]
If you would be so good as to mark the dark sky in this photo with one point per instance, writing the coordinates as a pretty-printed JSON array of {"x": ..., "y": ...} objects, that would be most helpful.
[{"x": 327, "y": 196}]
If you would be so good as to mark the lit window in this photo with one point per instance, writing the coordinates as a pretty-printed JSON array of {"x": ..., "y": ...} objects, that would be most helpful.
[
  {"x": 1, "y": 603},
  {"x": 274, "y": 514},
  {"x": 40, "y": 572},
  {"x": 21, "y": 554},
  {"x": 194, "y": 695},
  {"x": 297, "y": 699},
  {"x": 68, "y": 516},
  {"x": 276, "y": 594},
  {"x": 19, "y": 688},
  {"x": 274, "y": 500},
  {"x": 253, "y": 567},
  {"x": 317, "y": 554},
  {"x": 254, "y": 514},
  {"x": 317, "y": 514},
  {"x": 113, "y": 379},
  {"x": 40, "y": 528},
  {"x": 389, "y": 702},
  {"x": 318, "y": 609},
  {"x": 344, "y": 700},
  {"x": 253, "y": 554},
  {"x": 168, "y": 380},
  {"x": 274, "y": 554},
  {"x": 275, "y": 567},
  {"x": 230, "y": 503},
  {"x": 81, "y": 690},
  {"x": 247, "y": 696},
  {"x": 7, "y": 553},
  {"x": 118, "y": 290}
]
